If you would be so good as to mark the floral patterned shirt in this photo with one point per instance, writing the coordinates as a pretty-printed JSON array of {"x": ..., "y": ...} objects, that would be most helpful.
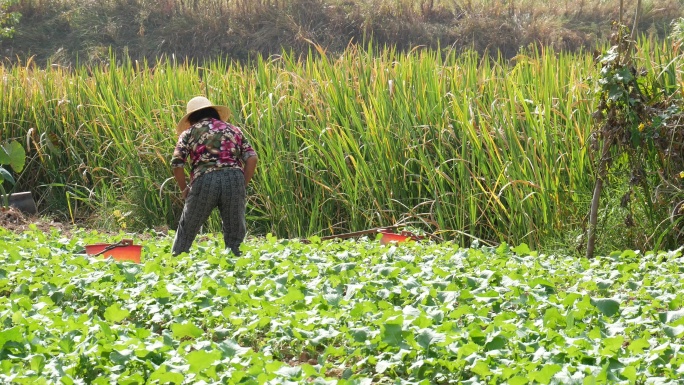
[{"x": 210, "y": 145}]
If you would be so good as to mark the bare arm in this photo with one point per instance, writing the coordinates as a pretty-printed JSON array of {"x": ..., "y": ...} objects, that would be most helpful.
[
  {"x": 179, "y": 175},
  {"x": 250, "y": 166}
]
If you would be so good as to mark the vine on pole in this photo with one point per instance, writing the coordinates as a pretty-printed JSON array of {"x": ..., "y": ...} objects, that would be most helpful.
[{"x": 639, "y": 116}]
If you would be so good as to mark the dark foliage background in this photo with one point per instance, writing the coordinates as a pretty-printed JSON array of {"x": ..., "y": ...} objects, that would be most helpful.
[{"x": 68, "y": 31}]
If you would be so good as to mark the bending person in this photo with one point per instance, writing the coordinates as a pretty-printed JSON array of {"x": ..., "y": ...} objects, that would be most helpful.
[{"x": 222, "y": 162}]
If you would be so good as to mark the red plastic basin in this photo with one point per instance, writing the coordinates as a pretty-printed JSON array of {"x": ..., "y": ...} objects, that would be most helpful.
[
  {"x": 119, "y": 253},
  {"x": 388, "y": 237}
]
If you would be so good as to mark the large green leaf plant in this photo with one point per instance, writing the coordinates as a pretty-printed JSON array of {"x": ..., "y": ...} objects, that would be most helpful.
[{"x": 13, "y": 156}]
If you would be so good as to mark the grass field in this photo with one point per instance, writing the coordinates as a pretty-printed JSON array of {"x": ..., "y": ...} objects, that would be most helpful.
[{"x": 458, "y": 145}]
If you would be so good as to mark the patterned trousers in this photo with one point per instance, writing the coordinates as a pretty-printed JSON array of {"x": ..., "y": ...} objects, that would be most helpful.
[{"x": 224, "y": 189}]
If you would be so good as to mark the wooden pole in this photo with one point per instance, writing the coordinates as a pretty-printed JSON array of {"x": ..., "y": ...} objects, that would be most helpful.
[
  {"x": 598, "y": 187},
  {"x": 622, "y": 4},
  {"x": 637, "y": 15}
]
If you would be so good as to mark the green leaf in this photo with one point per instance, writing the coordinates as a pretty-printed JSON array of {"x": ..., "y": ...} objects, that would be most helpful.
[
  {"x": 615, "y": 92},
  {"x": 612, "y": 345},
  {"x": 523, "y": 250},
  {"x": 242, "y": 262},
  {"x": 624, "y": 75},
  {"x": 343, "y": 267},
  {"x": 674, "y": 331},
  {"x": 133, "y": 379},
  {"x": 607, "y": 306},
  {"x": 637, "y": 346},
  {"x": 545, "y": 375},
  {"x": 115, "y": 313},
  {"x": 165, "y": 377},
  {"x": 121, "y": 357},
  {"x": 16, "y": 155},
  {"x": 542, "y": 282},
  {"x": 6, "y": 176},
  {"x": 481, "y": 369},
  {"x": 670, "y": 316},
  {"x": 185, "y": 330},
  {"x": 630, "y": 373},
  {"x": 37, "y": 363},
  {"x": 392, "y": 335},
  {"x": 610, "y": 56},
  {"x": 200, "y": 360},
  {"x": 553, "y": 317},
  {"x": 231, "y": 349},
  {"x": 161, "y": 291},
  {"x": 10, "y": 335},
  {"x": 293, "y": 295},
  {"x": 290, "y": 372},
  {"x": 428, "y": 337},
  {"x": 383, "y": 365},
  {"x": 360, "y": 334},
  {"x": 309, "y": 371},
  {"x": 518, "y": 380},
  {"x": 4, "y": 156},
  {"x": 495, "y": 342}
]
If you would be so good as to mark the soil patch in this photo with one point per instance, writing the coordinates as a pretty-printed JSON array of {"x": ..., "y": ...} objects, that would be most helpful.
[{"x": 14, "y": 220}]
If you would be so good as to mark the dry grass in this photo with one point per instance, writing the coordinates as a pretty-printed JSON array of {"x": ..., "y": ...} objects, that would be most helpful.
[{"x": 239, "y": 29}]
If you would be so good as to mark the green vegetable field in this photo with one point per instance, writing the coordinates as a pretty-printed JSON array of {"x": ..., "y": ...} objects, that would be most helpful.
[
  {"x": 508, "y": 164},
  {"x": 334, "y": 312}
]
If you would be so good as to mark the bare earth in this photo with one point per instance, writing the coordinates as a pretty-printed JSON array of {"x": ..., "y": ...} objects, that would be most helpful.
[{"x": 16, "y": 221}]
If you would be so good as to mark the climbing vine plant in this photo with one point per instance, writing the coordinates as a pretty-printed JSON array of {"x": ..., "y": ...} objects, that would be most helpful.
[{"x": 639, "y": 123}]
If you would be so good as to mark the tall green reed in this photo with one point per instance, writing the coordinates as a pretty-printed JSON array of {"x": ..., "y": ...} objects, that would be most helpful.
[{"x": 458, "y": 145}]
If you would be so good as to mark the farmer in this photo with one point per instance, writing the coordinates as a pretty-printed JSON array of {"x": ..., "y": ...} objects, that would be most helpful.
[{"x": 222, "y": 163}]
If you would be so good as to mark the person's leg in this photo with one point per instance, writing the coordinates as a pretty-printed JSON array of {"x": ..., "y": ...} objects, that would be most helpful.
[
  {"x": 201, "y": 199},
  {"x": 232, "y": 208}
]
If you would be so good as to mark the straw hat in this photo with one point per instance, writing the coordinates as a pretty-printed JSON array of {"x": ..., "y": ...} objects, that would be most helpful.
[{"x": 195, "y": 104}]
